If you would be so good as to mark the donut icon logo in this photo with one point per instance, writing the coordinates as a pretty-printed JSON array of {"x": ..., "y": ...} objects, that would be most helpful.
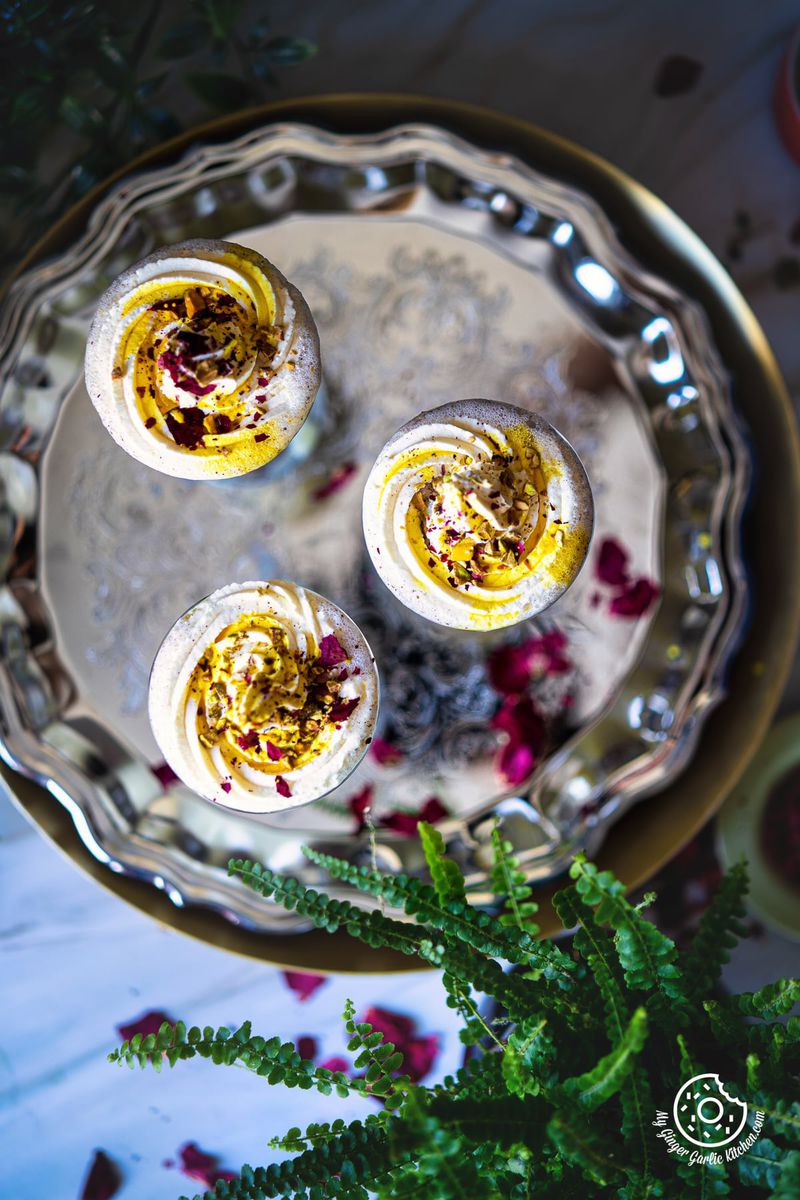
[{"x": 706, "y": 1115}]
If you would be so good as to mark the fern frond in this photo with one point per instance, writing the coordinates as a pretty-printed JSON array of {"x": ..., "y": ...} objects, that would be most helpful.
[
  {"x": 447, "y": 878},
  {"x": 455, "y": 919},
  {"x": 481, "y": 1078},
  {"x": 774, "y": 1000},
  {"x": 315, "y": 1134},
  {"x": 507, "y": 879},
  {"x": 381, "y": 1059},
  {"x": 529, "y": 1058},
  {"x": 276, "y": 1061},
  {"x": 503, "y": 1121},
  {"x": 762, "y": 1165},
  {"x": 783, "y": 1115},
  {"x": 648, "y": 957},
  {"x": 606, "y": 1078},
  {"x": 788, "y": 1184},
  {"x": 585, "y": 1148},
  {"x": 340, "y": 1168},
  {"x": 719, "y": 930}
]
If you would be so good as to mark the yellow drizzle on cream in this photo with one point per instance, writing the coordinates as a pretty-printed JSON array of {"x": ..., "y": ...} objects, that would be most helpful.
[
  {"x": 477, "y": 514},
  {"x": 202, "y": 360}
]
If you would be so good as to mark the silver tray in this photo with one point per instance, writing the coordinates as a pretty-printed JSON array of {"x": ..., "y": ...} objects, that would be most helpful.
[{"x": 435, "y": 270}]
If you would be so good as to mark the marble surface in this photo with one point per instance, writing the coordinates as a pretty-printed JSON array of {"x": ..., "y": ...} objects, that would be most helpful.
[{"x": 76, "y": 962}]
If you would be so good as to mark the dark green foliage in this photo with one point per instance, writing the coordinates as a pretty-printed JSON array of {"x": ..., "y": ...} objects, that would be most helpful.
[
  {"x": 87, "y": 86},
  {"x": 559, "y": 1098}
]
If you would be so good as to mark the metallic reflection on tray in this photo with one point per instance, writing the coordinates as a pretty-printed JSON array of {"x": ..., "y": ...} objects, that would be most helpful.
[{"x": 435, "y": 271}]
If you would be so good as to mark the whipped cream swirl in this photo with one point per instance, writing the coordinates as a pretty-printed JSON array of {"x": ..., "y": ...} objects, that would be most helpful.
[
  {"x": 203, "y": 360},
  {"x": 263, "y": 696},
  {"x": 477, "y": 514}
]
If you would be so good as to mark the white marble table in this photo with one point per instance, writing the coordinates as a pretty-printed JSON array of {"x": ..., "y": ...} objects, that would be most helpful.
[{"x": 77, "y": 962}]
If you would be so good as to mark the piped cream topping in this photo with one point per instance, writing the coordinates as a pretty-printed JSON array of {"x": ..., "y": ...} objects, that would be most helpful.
[
  {"x": 477, "y": 514},
  {"x": 202, "y": 360},
  {"x": 263, "y": 696}
]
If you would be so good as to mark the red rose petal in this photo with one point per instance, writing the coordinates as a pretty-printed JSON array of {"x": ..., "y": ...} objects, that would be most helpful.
[
  {"x": 165, "y": 775},
  {"x": 282, "y": 787},
  {"x": 336, "y": 1064},
  {"x": 303, "y": 983},
  {"x": 342, "y": 709},
  {"x": 307, "y": 1048},
  {"x": 196, "y": 1164},
  {"x": 384, "y": 752},
  {"x": 103, "y": 1180},
  {"x": 149, "y": 1022},
  {"x": 611, "y": 565},
  {"x": 331, "y": 652},
  {"x": 274, "y": 752},
  {"x": 405, "y": 823},
  {"x": 526, "y": 730},
  {"x": 511, "y": 668},
  {"x": 515, "y": 763},
  {"x": 419, "y": 1053},
  {"x": 337, "y": 479},
  {"x": 248, "y": 741},
  {"x": 635, "y": 600},
  {"x": 359, "y": 805},
  {"x": 226, "y": 786}
]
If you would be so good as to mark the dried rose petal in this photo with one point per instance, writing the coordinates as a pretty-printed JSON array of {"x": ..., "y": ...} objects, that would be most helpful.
[
  {"x": 191, "y": 430},
  {"x": 677, "y": 74},
  {"x": 226, "y": 786},
  {"x": 384, "y": 752},
  {"x": 274, "y": 752},
  {"x": 516, "y": 762},
  {"x": 103, "y": 1180},
  {"x": 419, "y": 1053},
  {"x": 511, "y": 668},
  {"x": 165, "y": 775},
  {"x": 359, "y": 805},
  {"x": 331, "y": 652},
  {"x": 248, "y": 741},
  {"x": 336, "y": 1064},
  {"x": 525, "y": 727},
  {"x": 611, "y": 566},
  {"x": 405, "y": 823},
  {"x": 196, "y": 1164},
  {"x": 303, "y": 983},
  {"x": 337, "y": 479},
  {"x": 635, "y": 600},
  {"x": 307, "y": 1048},
  {"x": 343, "y": 709},
  {"x": 282, "y": 787},
  {"x": 149, "y": 1022}
]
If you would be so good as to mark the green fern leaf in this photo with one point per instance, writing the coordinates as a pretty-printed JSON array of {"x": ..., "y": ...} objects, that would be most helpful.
[
  {"x": 774, "y": 1000},
  {"x": 381, "y": 1059},
  {"x": 719, "y": 930},
  {"x": 507, "y": 879},
  {"x": 648, "y": 957},
  {"x": 783, "y": 1116},
  {"x": 529, "y": 1058},
  {"x": 276, "y": 1061},
  {"x": 606, "y": 1078},
  {"x": 455, "y": 919},
  {"x": 587, "y": 1149},
  {"x": 762, "y": 1165},
  {"x": 788, "y": 1184},
  {"x": 447, "y": 879}
]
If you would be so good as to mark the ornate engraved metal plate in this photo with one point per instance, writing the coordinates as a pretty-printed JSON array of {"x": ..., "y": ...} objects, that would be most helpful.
[{"x": 435, "y": 271}]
